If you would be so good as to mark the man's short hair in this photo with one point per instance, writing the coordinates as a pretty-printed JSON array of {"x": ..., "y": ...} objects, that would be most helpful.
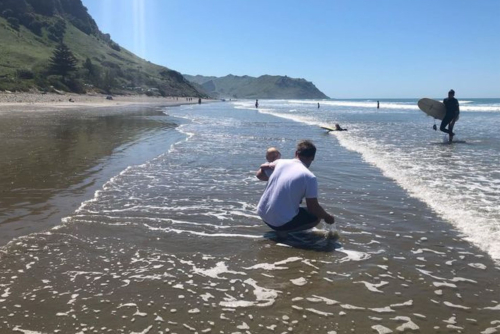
[
  {"x": 451, "y": 92},
  {"x": 306, "y": 149}
]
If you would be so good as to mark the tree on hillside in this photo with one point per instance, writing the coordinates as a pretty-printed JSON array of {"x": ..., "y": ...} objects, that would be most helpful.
[
  {"x": 89, "y": 67},
  {"x": 109, "y": 81},
  {"x": 62, "y": 61},
  {"x": 93, "y": 74}
]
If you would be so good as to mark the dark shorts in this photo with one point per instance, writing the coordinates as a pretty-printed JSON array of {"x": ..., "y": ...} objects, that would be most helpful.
[{"x": 304, "y": 217}]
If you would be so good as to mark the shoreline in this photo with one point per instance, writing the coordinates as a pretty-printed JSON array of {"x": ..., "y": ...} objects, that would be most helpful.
[{"x": 50, "y": 101}]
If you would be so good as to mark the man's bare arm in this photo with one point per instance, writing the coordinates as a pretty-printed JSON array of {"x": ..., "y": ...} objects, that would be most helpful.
[
  {"x": 316, "y": 209},
  {"x": 261, "y": 174}
]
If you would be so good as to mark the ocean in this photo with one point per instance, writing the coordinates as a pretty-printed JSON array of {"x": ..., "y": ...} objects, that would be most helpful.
[
  {"x": 461, "y": 181},
  {"x": 168, "y": 240}
]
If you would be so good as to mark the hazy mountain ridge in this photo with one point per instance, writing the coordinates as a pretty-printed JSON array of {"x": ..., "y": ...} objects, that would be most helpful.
[
  {"x": 263, "y": 87},
  {"x": 31, "y": 29}
]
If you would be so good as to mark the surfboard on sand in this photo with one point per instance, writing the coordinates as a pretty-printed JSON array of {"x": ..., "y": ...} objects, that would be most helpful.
[{"x": 432, "y": 108}]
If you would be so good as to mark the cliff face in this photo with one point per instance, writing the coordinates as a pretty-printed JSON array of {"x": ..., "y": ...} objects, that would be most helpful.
[
  {"x": 31, "y": 29},
  {"x": 263, "y": 87}
]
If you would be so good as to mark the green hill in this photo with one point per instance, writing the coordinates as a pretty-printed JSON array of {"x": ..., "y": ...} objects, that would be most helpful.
[
  {"x": 30, "y": 30},
  {"x": 263, "y": 87}
]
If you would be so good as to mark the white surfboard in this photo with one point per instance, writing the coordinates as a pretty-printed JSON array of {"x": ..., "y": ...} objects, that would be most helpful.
[{"x": 432, "y": 108}]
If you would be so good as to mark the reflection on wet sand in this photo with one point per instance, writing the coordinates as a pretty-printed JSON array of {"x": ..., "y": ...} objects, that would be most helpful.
[{"x": 44, "y": 154}]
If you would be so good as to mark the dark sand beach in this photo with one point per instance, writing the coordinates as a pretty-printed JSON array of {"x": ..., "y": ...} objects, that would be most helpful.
[{"x": 170, "y": 242}]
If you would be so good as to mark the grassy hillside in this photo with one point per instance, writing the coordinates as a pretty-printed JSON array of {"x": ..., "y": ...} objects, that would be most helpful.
[
  {"x": 263, "y": 87},
  {"x": 25, "y": 55}
]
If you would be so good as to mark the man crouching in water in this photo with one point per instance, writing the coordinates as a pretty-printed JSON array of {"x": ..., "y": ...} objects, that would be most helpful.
[{"x": 290, "y": 182}]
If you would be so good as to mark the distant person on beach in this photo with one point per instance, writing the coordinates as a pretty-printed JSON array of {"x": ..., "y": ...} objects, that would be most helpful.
[
  {"x": 452, "y": 114},
  {"x": 318, "y": 105},
  {"x": 290, "y": 182},
  {"x": 199, "y": 100},
  {"x": 378, "y": 105},
  {"x": 266, "y": 169},
  {"x": 256, "y": 103}
]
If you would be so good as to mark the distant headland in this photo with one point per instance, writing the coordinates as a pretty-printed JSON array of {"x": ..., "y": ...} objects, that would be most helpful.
[{"x": 263, "y": 87}]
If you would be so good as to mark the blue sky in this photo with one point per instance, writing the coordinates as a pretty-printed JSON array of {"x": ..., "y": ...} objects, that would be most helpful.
[{"x": 348, "y": 48}]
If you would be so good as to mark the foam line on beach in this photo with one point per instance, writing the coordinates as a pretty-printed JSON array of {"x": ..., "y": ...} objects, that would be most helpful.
[{"x": 205, "y": 234}]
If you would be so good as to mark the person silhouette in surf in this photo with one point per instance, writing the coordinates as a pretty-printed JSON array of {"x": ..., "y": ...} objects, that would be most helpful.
[
  {"x": 339, "y": 128},
  {"x": 452, "y": 114}
]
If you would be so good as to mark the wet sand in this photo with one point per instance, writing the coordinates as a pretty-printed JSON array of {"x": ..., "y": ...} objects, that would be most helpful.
[{"x": 56, "y": 154}]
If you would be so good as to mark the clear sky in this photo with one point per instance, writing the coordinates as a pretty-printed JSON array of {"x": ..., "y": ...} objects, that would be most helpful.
[{"x": 347, "y": 48}]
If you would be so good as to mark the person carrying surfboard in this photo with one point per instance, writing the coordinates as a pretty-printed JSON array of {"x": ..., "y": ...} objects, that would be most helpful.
[
  {"x": 291, "y": 181},
  {"x": 452, "y": 112}
]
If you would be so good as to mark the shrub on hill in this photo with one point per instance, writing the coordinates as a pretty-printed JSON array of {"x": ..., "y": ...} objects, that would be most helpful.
[
  {"x": 25, "y": 74},
  {"x": 57, "y": 30},
  {"x": 114, "y": 46},
  {"x": 14, "y": 23}
]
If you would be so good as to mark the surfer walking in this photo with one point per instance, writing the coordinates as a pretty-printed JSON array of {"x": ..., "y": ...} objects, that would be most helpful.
[
  {"x": 291, "y": 181},
  {"x": 452, "y": 113}
]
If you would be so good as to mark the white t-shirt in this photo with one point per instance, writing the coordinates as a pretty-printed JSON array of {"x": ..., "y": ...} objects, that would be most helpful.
[{"x": 290, "y": 182}]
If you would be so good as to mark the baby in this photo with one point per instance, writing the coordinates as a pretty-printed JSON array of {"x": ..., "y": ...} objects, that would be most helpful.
[
  {"x": 272, "y": 154},
  {"x": 266, "y": 169}
]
